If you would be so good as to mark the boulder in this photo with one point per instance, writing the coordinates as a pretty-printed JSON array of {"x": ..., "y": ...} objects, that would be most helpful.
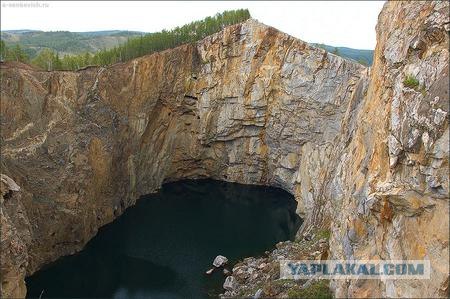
[
  {"x": 230, "y": 283},
  {"x": 220, "y": 261},
  {"x": 258, "y": 294},
  {"x": 8, "y": 184}
]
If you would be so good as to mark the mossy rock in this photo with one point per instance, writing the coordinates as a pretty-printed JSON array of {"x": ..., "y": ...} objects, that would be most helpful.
[
  {"x": 319, "y": 289},
  {"x": 411, "y": 82}
]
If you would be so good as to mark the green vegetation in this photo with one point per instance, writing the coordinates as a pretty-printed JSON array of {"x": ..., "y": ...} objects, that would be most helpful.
[
  {"x": 411, "y": 82},
  {"x": 15, "y": 53},
  {"x": 363, "y": 62},
  {"x": 336, "y": 51},
  {"x": 323, "y": 234},
  {"x": 364, "y": 57},
  {"x": 64, "y": 42},
  {"x": 138, "y": 46},
  {"x": 319, "y": 289},
  {"x": 423, "y": 89},
  {"x": 47, "y": 60}
]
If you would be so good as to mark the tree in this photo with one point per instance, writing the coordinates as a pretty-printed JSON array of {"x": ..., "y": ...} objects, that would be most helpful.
[
  {"x": 15, "y": 54},
  {"x": 86, "y": 59},
  {"x": 48, "y": 60},
  {"x": 336, "y": 51},
  {"x": 145, "y": 44},
  {"x": 3, "y": 51},
  {"x": 363, "y": 61}
]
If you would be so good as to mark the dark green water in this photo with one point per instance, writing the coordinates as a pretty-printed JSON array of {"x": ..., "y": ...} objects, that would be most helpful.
[{"x": 161, "y": 247}]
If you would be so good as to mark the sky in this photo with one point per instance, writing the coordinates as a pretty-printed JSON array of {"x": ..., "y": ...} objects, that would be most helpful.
[{"x": 337, "y": 23}]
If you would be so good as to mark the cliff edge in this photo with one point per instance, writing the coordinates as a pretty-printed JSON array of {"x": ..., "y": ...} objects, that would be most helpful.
[{"x": 364, "y": 151}]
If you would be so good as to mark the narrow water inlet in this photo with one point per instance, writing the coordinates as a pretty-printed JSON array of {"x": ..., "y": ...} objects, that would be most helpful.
[{"x": 162, "y": 246}]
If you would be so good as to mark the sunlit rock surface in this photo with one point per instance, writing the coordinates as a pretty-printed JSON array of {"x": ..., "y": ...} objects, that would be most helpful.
[
  {"x": 392, "y": 176},
  {"x": 361, "y": 152}
]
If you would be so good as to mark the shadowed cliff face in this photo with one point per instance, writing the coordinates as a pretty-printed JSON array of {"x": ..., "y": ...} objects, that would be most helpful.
[{"x": 361, "y": 152}]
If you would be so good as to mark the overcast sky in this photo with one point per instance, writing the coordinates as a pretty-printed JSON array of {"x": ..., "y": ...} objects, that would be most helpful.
[{"x": 346, "y": 23}]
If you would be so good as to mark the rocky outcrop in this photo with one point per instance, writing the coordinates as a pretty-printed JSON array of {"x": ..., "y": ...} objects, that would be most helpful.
[
  {"x": 15, "y": 237},
  {"x": 237, "y": 106},
  {"x": 362, "y": 153},
  {"x": 390, "y": 188}
]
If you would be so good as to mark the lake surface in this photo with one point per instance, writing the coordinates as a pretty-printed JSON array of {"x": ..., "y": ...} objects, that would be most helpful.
[{"x": 162, "y": 246}]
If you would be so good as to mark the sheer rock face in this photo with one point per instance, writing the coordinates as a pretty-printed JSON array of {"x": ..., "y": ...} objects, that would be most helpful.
[
  {"x": 393, "y": 197},
  {"x": 249, "y": 104}
]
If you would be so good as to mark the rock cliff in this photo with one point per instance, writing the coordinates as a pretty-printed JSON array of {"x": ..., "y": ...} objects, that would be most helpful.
[
  {"x": 363, "y": 154},
  {"x": 390, "y": 192}
]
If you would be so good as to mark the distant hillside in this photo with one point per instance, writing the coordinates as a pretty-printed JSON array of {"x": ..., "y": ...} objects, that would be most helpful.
[
  {"x": 80, "y": 43},
  {"x": 362, "y": 56},
  {"x": 50, "y": 48},
  {"x": 65, "y": 42}
]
